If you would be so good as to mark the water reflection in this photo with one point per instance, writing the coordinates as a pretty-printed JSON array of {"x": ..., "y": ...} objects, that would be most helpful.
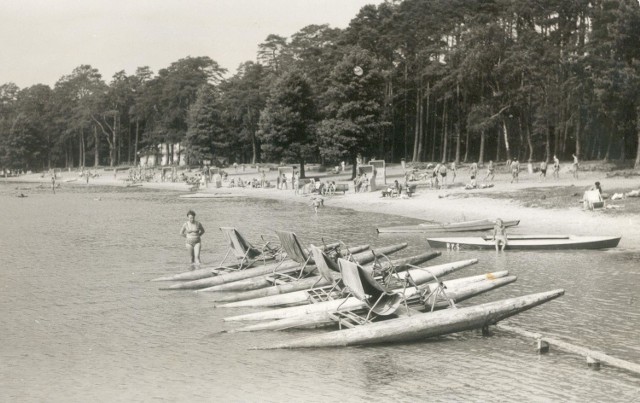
[{"x": 80, "y": 320}]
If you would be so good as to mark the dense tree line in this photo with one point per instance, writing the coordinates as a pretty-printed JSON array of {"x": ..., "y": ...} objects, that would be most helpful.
[{"x": 424, "y": 80}]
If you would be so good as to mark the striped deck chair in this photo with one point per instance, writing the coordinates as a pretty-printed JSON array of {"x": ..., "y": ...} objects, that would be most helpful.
[
  {"x": 362, "y": 285},
  {"x": 244, "y": 251}
]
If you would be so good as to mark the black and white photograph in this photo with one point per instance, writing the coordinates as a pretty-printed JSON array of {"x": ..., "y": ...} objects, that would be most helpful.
[{"x": 319, "y": 201}]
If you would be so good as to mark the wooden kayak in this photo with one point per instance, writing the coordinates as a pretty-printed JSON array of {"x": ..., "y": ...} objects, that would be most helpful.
[
  {"x": 210, "y": 271},
  {"x": 424, "y": 325},
  {"x": 477, "y": 225},
  {"x": 267, "y": 281},
  {"x": 528, "y": 242},
  {"x": 285, "y": 268},
  {"x": 458, "y": 290},
  {"x": 294, "y": 296}
]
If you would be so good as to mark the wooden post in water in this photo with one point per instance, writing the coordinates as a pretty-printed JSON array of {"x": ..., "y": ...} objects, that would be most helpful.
[{"x": 594, "y": 358}]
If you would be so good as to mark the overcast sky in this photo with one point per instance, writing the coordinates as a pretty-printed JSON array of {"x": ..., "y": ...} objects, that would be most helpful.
[{"x": 42, "y": 40}]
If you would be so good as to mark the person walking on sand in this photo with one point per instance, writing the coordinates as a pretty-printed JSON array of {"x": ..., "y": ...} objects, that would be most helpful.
[
  {"x": 574, "y": 166},
  {"x": 192, "y": 230},
  {"x": 442, "y": 172},
  {"x": 453, "y": 170},
  {"x": 543, "y": 170},
  {"x": 556, "y": 167},
  {"x": 515, "y": 170},
  {"x": 500, "y": 235},
  {"x": 53, "y": 183},
  {"x": 490, "y": 171},
  {"x": 317, "y": 202}
]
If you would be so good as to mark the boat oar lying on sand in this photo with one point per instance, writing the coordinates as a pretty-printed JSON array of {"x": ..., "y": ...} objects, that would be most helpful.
[
  {"x": 424, "y": 325},
  {"x": 292, "y": 296},
  {"x": 268, "y": 281},
  {"x": 456, "y": 291},
  {"x": 284, "y": 267}
]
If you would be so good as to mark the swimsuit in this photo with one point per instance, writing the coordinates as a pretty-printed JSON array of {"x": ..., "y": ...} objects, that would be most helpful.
[{"x": 193, "y": 235}]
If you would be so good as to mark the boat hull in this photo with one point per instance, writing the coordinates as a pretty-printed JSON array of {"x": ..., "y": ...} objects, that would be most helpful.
[
  {"x": 467, "y": 226},
  {"x": 523, "y": 242},
  {"x": 425, "y": 325}
]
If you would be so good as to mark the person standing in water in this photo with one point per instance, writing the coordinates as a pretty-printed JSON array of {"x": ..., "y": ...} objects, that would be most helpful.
[
  {"x": 500, "y": 235},
  {"x": 192, "y": 230}
]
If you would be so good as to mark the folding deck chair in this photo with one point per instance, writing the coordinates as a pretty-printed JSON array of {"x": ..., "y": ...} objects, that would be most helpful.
[
  {"x": 296, "y": 252},
  {"x": 244, "y": 251},
  {"x": 361, "y": 284},
  {"x": 328, "y": 270}
]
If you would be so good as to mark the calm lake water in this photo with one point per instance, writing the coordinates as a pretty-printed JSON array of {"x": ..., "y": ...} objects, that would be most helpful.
[{"x": 81, "y": 322}]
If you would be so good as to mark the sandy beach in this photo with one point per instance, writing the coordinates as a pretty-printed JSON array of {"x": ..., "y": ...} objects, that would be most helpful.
[{"x": 450, "y": 204}]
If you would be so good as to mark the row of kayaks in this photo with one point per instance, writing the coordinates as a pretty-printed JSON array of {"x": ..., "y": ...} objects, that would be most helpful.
[{"x": 368, "y": 295}]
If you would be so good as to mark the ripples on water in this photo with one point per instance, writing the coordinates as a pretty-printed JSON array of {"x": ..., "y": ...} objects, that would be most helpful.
[{"x": 80, "y": 321}]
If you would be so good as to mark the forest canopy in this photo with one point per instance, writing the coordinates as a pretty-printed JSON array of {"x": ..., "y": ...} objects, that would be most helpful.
[{"x": 420, "y": 80}]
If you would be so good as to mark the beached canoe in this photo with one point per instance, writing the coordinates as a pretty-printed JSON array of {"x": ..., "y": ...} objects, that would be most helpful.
[
  {"x": 457, "y": 290},
  {"x": 477, "y": 225},
  {"x": 291, "y": 295},
  {"x": 528, "y": 242},
  {"x": 267, "y": 281},
  {"x": 286, "y": 267},
  {"x": 424, "y": 325}
]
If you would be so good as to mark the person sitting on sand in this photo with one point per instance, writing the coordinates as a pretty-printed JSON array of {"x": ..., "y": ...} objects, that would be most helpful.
[
  {"x": 597, "y": 187},
  {"x": 473, "y": 184},
  {"x": 365, "y": 183},
  {"x": 192, "y": 230},
  {"x": 500, "y": 235},
  {"x": 357, "y": 183}
]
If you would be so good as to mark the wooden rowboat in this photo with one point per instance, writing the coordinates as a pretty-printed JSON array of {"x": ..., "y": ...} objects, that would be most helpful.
[
  {"x": 477, "y": 225},
  {"x": 528, "y": 242},
  {"x": 424, "y": 325}
]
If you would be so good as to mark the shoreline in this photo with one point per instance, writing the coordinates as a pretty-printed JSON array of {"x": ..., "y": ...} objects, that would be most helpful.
[{"x": 436, "y": 205}]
